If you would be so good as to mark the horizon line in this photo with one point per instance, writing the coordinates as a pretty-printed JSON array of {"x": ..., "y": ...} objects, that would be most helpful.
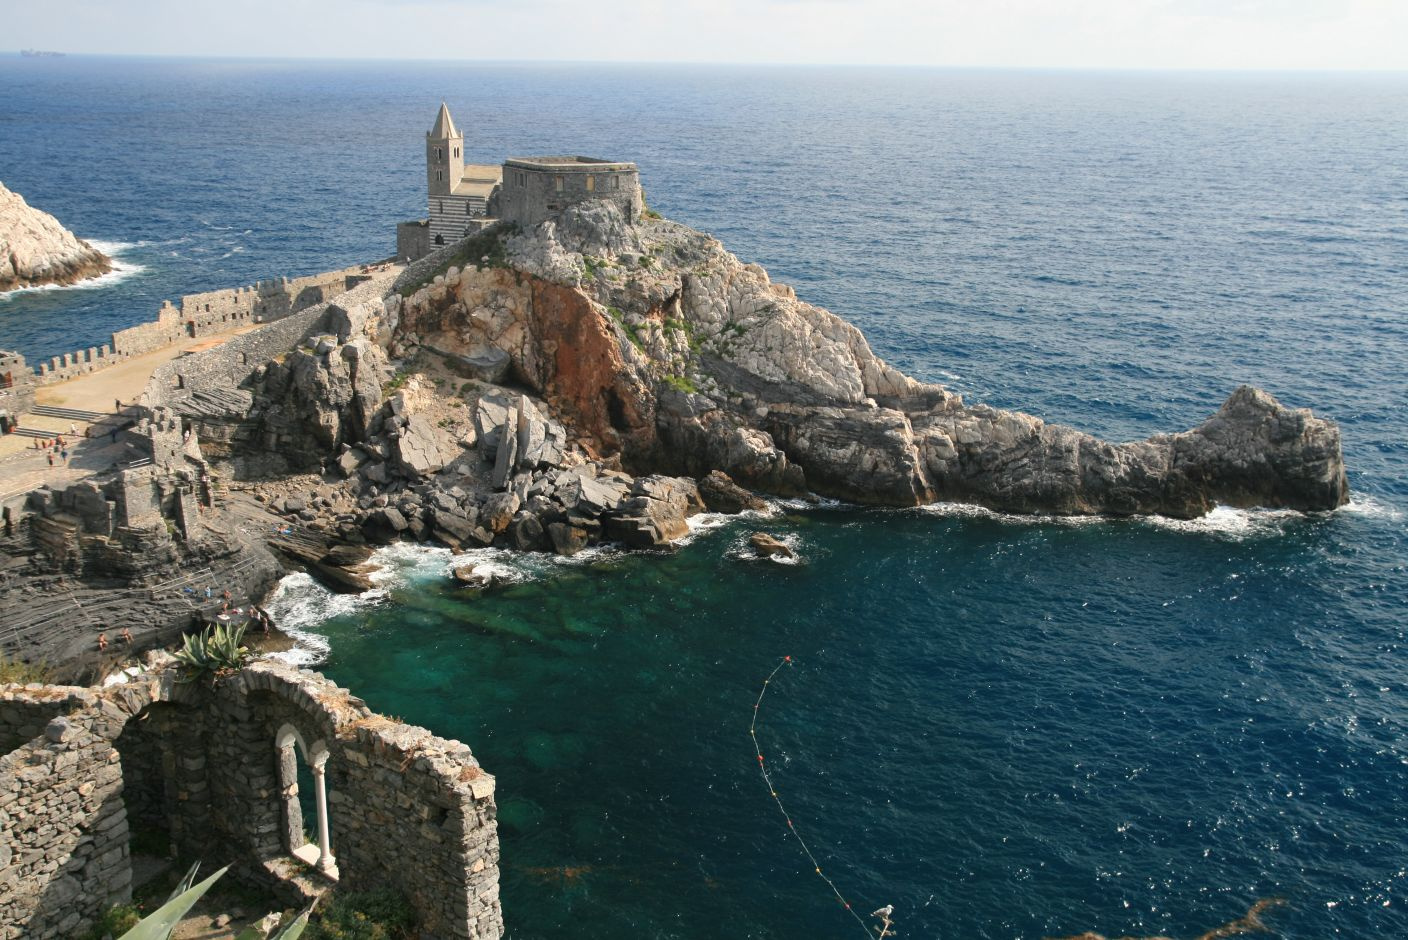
[{"x": 1188, "y": 69}]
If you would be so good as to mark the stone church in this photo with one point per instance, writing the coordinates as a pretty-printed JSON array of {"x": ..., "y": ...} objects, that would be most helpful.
[{"x": 464, "y": 198}]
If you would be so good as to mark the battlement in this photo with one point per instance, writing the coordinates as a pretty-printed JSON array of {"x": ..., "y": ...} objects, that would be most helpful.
[{"x": 203, "y": 314}]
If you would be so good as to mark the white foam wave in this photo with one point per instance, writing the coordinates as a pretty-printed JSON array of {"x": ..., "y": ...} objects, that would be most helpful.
[
  {"x": 1372, "y": 507},
  {"x": 969, "y": 511},
  {"x": 1222, "y": 521},
  {"x": 121, "y": 271},
  {"x": 300, "y": 605},
  {"x": 1226, "y": 522}
]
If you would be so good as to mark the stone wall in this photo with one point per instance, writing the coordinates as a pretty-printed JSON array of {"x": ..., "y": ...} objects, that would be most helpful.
[
  {"x": 537, "y": 188},
  {"x": 412, "y": 240},
  {"x": 16, "y": 389},
  {"x": 64, "y": 856},
  {"x": 207, "y": 767},
  {"x": 203, "y": 315},
  {"x": 230, "y": 363}
]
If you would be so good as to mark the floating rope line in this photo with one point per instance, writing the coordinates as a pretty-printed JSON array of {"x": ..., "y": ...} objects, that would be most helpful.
[{"x": 884, "y": 912}]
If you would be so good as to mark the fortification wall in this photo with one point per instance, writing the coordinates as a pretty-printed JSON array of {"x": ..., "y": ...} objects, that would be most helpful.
[
  {"x": 213, "y": 768},
  {"x": 203, "y": 315},
  {"x": 230, "y": 363},
  {"x": 535, "y": 189},
  {"x": 16, "y": 386}
]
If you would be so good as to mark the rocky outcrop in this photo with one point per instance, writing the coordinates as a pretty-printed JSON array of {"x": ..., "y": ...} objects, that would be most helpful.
[
  {"x": 660, "y": 350},
  {"x": 36, "y": 249}
]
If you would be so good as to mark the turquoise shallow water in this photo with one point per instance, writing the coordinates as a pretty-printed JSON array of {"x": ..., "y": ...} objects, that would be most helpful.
[{"x": 1005, "y": 728}]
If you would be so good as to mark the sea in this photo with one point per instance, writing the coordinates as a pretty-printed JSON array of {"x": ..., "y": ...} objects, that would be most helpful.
[{"x": 1002, "y": 727}]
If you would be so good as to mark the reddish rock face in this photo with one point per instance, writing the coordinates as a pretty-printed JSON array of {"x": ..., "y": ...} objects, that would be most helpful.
[{"x": 579, "y": 369}]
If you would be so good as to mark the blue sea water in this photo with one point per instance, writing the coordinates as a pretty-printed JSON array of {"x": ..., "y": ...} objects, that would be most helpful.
[{"x": 1003, "y": 727}]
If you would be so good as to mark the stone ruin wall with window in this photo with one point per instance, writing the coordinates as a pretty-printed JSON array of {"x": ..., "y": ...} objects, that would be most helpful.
[
  {"x": 203, "y": 315},
  {"x": 212, "y": 773}
]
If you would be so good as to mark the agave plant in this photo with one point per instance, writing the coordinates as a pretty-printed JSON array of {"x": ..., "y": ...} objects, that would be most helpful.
[
  {"x": 159, "y": 924},
  {"x": 213, "y": 652}
]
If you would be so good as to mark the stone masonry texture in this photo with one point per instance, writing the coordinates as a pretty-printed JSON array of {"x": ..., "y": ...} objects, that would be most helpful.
[{"x": 198, "y": 764}]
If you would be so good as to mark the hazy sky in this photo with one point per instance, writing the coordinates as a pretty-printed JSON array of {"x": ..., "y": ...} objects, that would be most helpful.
[{"x": 1308, "y": 34}]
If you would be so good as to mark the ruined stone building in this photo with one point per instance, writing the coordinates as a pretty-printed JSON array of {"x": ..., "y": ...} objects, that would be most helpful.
[
  {"x": 16, "y": 390},
  {"x": 465, "y": 197},
  {"x": 211, "y": 772}
]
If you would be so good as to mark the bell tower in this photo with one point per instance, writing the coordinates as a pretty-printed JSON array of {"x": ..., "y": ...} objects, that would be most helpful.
[{"x": 444, "y": 155}]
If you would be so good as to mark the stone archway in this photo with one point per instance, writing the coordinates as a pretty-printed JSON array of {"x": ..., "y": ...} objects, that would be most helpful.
[{"x": 289, "y": 745}]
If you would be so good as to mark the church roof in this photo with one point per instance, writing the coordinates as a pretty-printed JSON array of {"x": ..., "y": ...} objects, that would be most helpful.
[{"x": 444, "y": 124}]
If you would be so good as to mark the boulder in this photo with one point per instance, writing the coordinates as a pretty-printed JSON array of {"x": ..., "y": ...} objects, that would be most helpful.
[
  {"x": 498, "y": 511},
  {"x": 351, "y": 461},
  {"x": 567, "y": 539},
  {"x": 721, "y": 494},
  {"x": 421, "y": 448},
  {"x": 470, "y": 576},
  {"x": 769, "y": 547},
  {"x": 654, "y": 516},
  {"x": 453, "y": 527},
  {"x": 525, "y": 533}
]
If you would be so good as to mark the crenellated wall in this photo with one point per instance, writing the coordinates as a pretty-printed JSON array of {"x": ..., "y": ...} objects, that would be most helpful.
[
  {"x": 211, "y": 770},
  {"x": 204, "y": 314}
]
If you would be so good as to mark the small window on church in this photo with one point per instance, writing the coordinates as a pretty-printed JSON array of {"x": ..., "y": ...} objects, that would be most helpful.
[
  {"x": 457, "y": 152},
  {"x": 466, "y": 207},
  {"x": 557, "y": 183},
  {"x": 439, "y": 205},
  {"x": 615, "y": 182},
  {"x": 591, "y": 183},
  {"x": 439, "y": 239}
]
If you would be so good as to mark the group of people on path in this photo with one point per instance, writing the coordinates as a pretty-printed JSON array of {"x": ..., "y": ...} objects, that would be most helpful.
[{"x": 55, "y": 446}]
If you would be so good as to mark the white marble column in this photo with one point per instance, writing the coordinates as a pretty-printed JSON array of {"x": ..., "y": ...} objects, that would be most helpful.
[{"x": 320, "y": 787}]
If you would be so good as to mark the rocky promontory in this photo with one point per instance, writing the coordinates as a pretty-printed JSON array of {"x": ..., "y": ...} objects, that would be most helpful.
[
  {"x": 662, "y": 350},
  {"x": 602, "y": 379},
  {"x": 36, "y": 249}
]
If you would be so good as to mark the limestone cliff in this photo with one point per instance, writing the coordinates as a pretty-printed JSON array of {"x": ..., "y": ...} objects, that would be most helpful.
[
  {"x": 35, "y": 249},
  {"x": 661, "y": 349}
]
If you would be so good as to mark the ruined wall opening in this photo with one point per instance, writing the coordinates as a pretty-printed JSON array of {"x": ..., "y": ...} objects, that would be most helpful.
[
  {"x": 157, "y": 769},
  {"x": 309, "y": 841}
]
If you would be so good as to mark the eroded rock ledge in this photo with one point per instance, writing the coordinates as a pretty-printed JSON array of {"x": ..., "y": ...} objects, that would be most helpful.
[
  {"x": 661, "y": 350},
  {"x": 36, "y": 249}
]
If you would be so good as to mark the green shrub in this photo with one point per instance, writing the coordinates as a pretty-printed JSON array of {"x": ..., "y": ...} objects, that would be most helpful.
[
  {"x": 116, "y": 922},
  {"x": 17, "y": 670},
  {"x": 382, "y": 914},
  {"x": 681, "y": 383}
]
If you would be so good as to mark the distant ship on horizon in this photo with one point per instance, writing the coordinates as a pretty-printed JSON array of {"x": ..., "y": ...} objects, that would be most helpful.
[{"x": 40, "y": 54}]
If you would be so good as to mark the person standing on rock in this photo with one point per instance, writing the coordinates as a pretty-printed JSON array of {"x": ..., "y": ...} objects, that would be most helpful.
[{"x": 102, "y": 642}]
